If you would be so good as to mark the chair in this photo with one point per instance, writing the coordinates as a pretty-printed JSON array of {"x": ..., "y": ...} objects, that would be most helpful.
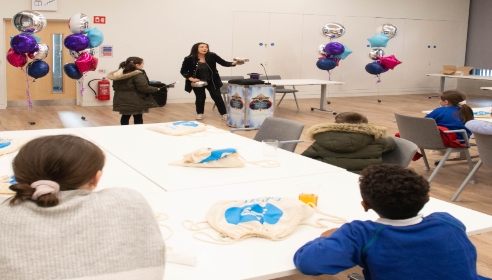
[
  {"x": 484, "y": 152},
  {"x": 223, "y": 89},
  {"x": 282, "y": 89},
  {"x": 287, "y": 132},
  {"x": 425, "y": 134},
  {"x": 402, "y": 154}
]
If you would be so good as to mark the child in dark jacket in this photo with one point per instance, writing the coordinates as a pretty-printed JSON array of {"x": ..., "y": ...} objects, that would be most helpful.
[
  {"x": 349, "y": 143},
  {"x": 401, "y": 244}
]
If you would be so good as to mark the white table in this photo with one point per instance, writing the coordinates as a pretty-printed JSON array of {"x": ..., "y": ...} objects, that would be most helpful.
[
  {"x": 472, "y": 77},
  {"x": 486, "y": 88},
  {"x": 115, "y": 173},
  {"x": 150, "y": 153},
  {"x": 258, "y": 258},
  {"x": 307, "y": 82}
]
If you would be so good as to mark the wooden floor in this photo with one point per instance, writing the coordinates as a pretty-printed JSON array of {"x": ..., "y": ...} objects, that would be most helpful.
[{"x": 476, "y": 196}]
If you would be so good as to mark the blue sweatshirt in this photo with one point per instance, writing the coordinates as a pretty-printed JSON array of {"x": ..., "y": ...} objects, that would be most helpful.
[
  {"x": 434, "y": 247},
  {"x": 448, "y": 117}
]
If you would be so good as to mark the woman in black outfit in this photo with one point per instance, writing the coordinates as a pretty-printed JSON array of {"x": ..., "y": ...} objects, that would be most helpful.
[{"x": 201, "y": 65}]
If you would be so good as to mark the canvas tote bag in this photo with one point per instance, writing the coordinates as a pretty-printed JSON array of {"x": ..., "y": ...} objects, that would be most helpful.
[{"x": 273, "y": 218}]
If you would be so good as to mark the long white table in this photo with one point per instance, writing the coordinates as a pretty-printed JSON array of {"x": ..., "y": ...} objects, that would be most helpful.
[
  {"x": 258, "y": 258},
  {"x": 307, "y": 82},
  {"x": 471, "y": 77},
  {"x": 131, "y": 150},
  {"x": 150, "y": 153},
  {"x": 486, "y": 88}
]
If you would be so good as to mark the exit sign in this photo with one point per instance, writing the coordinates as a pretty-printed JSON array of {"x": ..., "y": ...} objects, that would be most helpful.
[{"x": 100, "y": 19}]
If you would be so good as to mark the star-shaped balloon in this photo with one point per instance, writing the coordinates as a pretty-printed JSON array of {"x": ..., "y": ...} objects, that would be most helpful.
[
  {"x": 378, "y": 40},
  {"x": 389, "y": 61},
  {"x": 345, "y": 53}
]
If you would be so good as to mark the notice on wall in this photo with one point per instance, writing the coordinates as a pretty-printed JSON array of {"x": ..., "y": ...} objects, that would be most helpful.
[
  {"x": 44, "y": 5},
  {"x": 106, "y": 51}
]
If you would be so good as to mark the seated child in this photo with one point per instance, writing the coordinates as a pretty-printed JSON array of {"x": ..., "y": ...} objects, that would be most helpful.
[
  {"x": 56, "y": 227},
  {"x": 453, "y": 113},
  {"x": 350, "y": 142},
  {"x": 401, "y": 244}
]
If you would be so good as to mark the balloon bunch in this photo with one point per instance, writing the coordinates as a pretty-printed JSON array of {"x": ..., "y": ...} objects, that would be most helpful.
[
  {"x": 333, "y": 51},
  {"x": 81, "y": 46},
  {"x": 381, "y": 63},
  {"x": 26, "y": 45}
]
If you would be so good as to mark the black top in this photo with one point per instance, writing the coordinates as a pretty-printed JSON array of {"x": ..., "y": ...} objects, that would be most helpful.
[{"x": 189, "y": 69}]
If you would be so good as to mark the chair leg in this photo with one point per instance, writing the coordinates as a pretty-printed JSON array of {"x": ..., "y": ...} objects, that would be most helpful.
[
  {"x": 426, "y": 162},
  {"x": 463, "y": 185},
  {"x": 441, "y": 163},
  {"x": 295, "y": 98},
  {"x": 470, "y": 164},
  {"x": 278, "y": 104}
]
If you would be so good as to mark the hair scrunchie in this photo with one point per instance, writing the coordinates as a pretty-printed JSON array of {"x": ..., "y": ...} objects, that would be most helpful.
[
  {"x": 462, "y": 103},
  {"x": 44, "y": 187}
]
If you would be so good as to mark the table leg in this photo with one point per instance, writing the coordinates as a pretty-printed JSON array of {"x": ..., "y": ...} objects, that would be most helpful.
[
  {"x": 322, "y": 101},
  {"x": 441, "y": 86}
]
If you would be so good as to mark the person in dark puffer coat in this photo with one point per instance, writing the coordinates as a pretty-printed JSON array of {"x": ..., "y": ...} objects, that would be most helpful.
[
  {"x": 349, "y": 143},
  {"x": 132, "y": 92}
]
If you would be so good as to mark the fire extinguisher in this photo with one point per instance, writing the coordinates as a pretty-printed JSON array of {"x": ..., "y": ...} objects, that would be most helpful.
[{"x": 103, "y": 92}]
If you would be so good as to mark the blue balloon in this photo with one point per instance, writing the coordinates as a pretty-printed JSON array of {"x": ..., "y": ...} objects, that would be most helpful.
[
  {"x": 326, "y": 63},
  {"x": 374, "y": 68},
  {"x": 23, "y": 43},
  {"x": 72, "y": 71},
  {"x": 378, "y": 40},
  {"x": 96, "y": 37},
  {"x": 345, "y": 53},
  {"x": 76, "y": 42},
  {"x": 38, "y": 69}
]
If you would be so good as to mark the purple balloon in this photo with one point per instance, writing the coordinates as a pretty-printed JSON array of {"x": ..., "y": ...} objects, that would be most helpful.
[
  {"x": 334, "y": 48},
  {"x": 76, "y": 42},
  {"x": 23, "y": 43}
]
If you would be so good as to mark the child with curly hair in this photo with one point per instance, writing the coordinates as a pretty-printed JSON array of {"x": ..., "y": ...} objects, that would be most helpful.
[{"x": 401, "y": 244}]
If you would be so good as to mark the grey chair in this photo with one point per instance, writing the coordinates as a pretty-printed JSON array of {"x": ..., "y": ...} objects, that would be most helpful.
[
  {"x": 282, "y": 89},
  {"x": 223, "y": 89},
  {"x": 402, "y": 154},
  {"x": 425, "y": 134},
  {"x": 484, "y": 146},
  {"x": 287, "y": 132}
]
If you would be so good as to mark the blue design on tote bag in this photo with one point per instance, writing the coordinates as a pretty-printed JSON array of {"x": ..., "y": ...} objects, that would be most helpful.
[
  {"x": 5, "y": 143},
  {"x": 12, "y": 180},
  {"x": 481, "y": 113},
  {"x": 269, "y": 214},
  {"x": 218, "y": 154},
  {"x": 192, "y": 124}
]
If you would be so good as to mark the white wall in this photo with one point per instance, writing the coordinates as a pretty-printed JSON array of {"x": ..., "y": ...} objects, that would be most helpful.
[{"x": 163, "y": 31}]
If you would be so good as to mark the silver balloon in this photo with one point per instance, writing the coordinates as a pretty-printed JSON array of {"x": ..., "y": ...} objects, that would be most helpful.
[
  {"x": 78, "y": 23},
  {"x": 29, "y": 21},
  {"x": 388, "y": 29},
  {"x": 41, "y": 53},
  {"x": 375, "y": 54},
  {"x": 333, "y": 30},
  {"x": 321, "y": 50},
  {"x": 76, "y": 54}
]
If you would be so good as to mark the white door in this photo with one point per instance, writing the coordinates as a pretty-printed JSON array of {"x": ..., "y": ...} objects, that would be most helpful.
[
  {"x": 352, "y": 68},
  {"x": 417, "y": 52},
  {"x": 285, "y": 45},
  {"x": 250, "y": 40}
]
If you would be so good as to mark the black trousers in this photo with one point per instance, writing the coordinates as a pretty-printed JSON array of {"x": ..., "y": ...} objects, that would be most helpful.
[
  {"x": 137, "y": 119},
  {"x": 214, "y": 93}
]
